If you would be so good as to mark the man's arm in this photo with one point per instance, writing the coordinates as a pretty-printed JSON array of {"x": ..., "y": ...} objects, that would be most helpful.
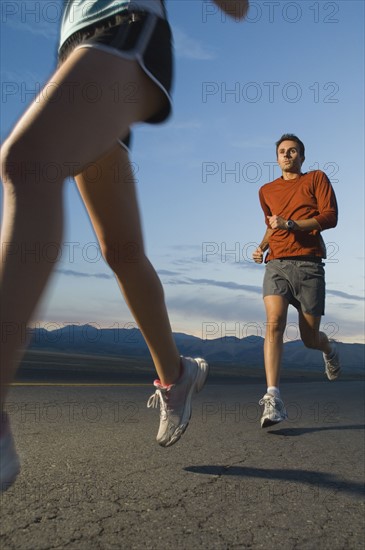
[
  {"x": 277, "y": 222},
  {"x": 326, "y": 201},
  {"x": 327, "y": 207},
  {"x": 258, "y": 255},
  {"x": 236, "y": 9}
]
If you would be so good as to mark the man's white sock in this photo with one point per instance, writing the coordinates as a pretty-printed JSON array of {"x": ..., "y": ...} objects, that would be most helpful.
[{"x": 273, "y": 390}]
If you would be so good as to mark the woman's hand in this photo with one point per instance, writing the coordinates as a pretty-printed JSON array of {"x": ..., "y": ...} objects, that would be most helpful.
[{"x": 237, "y": 9}]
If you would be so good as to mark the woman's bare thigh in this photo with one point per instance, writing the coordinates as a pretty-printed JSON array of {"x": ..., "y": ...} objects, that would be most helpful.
[{"x": 78, "y": 117}]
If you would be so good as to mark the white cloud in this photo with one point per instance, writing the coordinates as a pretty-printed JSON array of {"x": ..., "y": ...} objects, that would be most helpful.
[
  {"x": 35, "y": 23},
  {"x": 24, "y": 79},
  {"x": 187, "y": 47}
]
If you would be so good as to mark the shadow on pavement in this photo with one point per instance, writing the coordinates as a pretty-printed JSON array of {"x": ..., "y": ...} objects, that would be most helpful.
[
  {"x": 290, "y": 432},
  {"x": 306, "y": 477}
]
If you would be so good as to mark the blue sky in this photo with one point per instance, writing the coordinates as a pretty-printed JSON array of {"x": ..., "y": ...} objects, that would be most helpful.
[{"x": 291, "y": 67}]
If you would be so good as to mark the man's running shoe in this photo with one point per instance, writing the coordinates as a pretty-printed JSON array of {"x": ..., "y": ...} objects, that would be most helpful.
[
  {"x": 9, "y": 460},
  {"x": 274, "y": 410},
  {"x": 332, "y": 363},
  {"x": 175, "y": 400}
]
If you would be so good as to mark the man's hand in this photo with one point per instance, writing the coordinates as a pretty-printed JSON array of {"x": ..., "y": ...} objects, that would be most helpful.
[
  {"x": 237, "y": 9},
  {"x": 258, "y": 255},
  {"x": 276, "y": 222}
]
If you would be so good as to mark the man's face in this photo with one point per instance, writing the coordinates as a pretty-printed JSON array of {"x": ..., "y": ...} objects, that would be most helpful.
[{"x": 289, "y": 158}]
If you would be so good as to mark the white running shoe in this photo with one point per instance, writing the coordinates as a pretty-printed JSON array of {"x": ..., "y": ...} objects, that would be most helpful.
[
  {"x": 274, "y": 410},
  {"x": 9, "y": 460},
  {"x": 175, "y": 400},
  {"x": 332, "y": 365}
]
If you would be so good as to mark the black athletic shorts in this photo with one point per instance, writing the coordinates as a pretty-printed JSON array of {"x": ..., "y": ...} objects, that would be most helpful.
[{"x": 142, "y": 36}]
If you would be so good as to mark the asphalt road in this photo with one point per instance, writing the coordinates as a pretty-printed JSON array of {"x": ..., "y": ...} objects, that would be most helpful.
[{"x": 94, "y": 478}]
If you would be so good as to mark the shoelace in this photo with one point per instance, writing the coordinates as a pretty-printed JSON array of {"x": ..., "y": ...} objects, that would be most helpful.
[
  {"x": 267, "y": 401},
  {"x": 159, "y": 398}
]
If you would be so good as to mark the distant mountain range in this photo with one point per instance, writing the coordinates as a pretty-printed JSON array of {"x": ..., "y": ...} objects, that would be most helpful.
[{"x": 245, "y": 352}]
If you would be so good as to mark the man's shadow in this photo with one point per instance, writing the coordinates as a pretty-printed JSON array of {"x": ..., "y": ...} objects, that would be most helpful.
[
  {"x": 290, "y": 432},
  {"x": 312, "y": 478}
]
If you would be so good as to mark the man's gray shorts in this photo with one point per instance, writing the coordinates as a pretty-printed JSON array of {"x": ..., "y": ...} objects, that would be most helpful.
[{"x": 301, "y": 282}]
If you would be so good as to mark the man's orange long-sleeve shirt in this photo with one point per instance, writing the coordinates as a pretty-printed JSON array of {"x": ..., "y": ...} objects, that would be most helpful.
[{"x": 310, "y": 195}]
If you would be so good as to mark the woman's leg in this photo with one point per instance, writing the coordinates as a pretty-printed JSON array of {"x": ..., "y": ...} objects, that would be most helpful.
[
  {"x": 61, "y": 132},
  {"x": 112, "y": 205}
]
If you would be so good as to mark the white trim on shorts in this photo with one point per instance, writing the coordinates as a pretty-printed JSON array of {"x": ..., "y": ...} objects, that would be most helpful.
[
  {"x": 136, "y": 55},
  {"x": 133, "y": 57},
  {"x": 130, "y": 57},
  {"x": 123, "y": 145}
]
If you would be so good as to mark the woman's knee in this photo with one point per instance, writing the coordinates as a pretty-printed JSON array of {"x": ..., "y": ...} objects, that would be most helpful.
[
  {"x": 122, "y": 256},
  {"x": 132, "y": 268},
  {"x": 24, "y": 161},
  {"x": 8, "y": 161}
]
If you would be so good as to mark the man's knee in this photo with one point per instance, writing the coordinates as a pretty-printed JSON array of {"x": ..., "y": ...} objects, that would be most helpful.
[
  {"x": 311, "y": 340},
  {"x": 275, "y": 327}
]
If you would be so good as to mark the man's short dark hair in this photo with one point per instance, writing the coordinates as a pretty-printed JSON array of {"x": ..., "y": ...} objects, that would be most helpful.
[{"x": 291, "y": 137}]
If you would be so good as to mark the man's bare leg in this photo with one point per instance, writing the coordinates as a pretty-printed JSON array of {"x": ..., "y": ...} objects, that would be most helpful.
[
  {"x": 276, "y": 313},
  {"x": 311, "y": 335}
]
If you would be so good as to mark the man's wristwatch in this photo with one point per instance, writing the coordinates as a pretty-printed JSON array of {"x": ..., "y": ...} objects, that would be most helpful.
[{"x": 290, "y": 225}]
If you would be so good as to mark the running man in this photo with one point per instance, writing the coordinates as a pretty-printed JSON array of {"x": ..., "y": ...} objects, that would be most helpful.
[
  {"x": 297, "y": 207},
  {"x": 115, "y": 44}
]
